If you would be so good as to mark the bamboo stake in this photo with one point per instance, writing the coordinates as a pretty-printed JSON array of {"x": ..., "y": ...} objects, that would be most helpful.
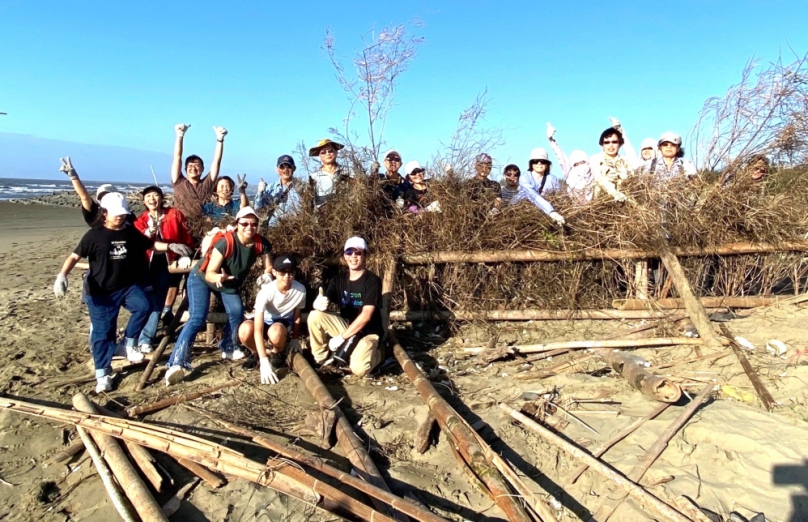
[
  {"x": 141, "y": 498},
  {"x": 158, "y": 353},
  {"x": 177, "y": 399},
  {"x": 462, "y": 437},
  {"x": 531, "y": 315},
  {"x": 648, "y": 501},
  {"x": 651, "y": 385},
  {"x": 423, "y": 432},
  {"x": 612, "y": 343},
  {"x": 639, "y": 469},
  {"x": 210, "y": 478},
  {"x": 66, "y": 453},
  {"x": 628, "y": 430},
  {"x": 760, "y": 388},
  {"x": 106, "y": 477},
  {"x": 388, "y": 284},
  {"x": 707, "y": 302}
]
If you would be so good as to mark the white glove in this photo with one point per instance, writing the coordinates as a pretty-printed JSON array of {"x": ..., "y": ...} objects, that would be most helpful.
[
  {"x": 493, "y": 212},
  {"x": 60, "y": 286},
  {"x": 550, "y": 132},
  {"x": 335, "y": 342},
  {"x": 221, "y": 132},
  {"x": 268, "y": 375},
  {"x": 242, "y": 183},
  {"x": 433, "y": 207},
  {"x": 184, "y": 263},
  {"x": 67, "y": 168},
  {"x": 180, "y": 129},
  {"x": 262, "y": 186},
  {"x": 263, "y": 279},
  {"x": 558, "y": 218},
  {"x": 154, "y": 225},
  {"x": 616, "y": 125},
  {"x": 620, "y": 197},
  {"x": 321, "y": 302},
  {"x": 180, "y": 249},
  {"x": 400, "y": 202}
]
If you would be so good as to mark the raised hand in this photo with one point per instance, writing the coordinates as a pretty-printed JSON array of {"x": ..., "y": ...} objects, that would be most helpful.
[
  {"x": 321, "y": 302},
  {"x": 616, "y": 125},
  {"x": 242, "y": 183},
  {"x": 550, "y": 132},
  {"x": 262, "y": 186},
  {"x": 67, "y": 168},
  {"x": 221, "y": 132},
  {"x": 181, "y": 128}
]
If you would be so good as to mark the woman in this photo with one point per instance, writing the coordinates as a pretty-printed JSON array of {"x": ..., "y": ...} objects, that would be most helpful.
[
  {"x": 670, "y": 163},
  {"x": 224, "y": 204},
  {"x": 609, "y": 169},
  {"x": 223, "y": 270},
  {"x": 648, "y": 149},
  {"x": 538, "y": 177},
  {"x": 417, "y": 198},
  {"x": 165, "y": 224},
  {"x": 577, "y": 174}
]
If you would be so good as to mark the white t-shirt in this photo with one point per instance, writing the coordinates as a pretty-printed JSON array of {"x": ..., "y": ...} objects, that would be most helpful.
[{"x": 277, "y": 305}]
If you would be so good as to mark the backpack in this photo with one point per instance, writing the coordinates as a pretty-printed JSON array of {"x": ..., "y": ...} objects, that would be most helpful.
[{"x": 229, "y": 237}]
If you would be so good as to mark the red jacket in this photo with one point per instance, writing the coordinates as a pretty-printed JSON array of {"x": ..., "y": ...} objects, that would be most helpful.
[{"x": 173, "y": 229}]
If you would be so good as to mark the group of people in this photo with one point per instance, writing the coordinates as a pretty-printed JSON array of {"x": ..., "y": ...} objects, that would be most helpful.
[{"x": 130, "y": 257}]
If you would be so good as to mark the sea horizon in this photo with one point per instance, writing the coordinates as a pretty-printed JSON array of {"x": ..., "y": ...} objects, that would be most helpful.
[{"x": 27, "y": 188}]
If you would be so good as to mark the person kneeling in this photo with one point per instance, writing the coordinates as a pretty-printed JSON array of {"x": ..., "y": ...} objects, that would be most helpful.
[
  {"x": 352, "y": 337},
  {"x": 278, "y": 307}
]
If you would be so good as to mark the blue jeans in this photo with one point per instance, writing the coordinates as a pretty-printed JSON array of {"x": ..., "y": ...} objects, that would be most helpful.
[
  {"x": 198, "y": 302},
  {"x": 104, "y": 318},
  {"x": 160, "y": 281}
]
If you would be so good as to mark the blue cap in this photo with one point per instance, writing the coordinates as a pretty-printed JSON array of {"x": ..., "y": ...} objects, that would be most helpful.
[{"x": 286, "y": 159}]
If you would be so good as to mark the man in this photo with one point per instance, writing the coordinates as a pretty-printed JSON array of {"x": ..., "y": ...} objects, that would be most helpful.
[
  {"x": 192, "y": 192},
  {"x": 352, "y": 337},
  {"x": 117, "y": 277},
  {"x": 90, "y": 210},
  {"x": 282, "y": 197},
  {"x": 513, "y": 192},
  {"x": 393, "y": 184},
  {"x": 480, "y": 184},
  {"x": 326, "y": 179},
  {"x": 278, "y": 308}
]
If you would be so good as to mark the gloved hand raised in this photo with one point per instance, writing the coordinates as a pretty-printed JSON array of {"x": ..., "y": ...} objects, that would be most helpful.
[
  {"x": 550, "y": 132},
  {"x": 262, "y": 186},
  {"x": 620, "y": 197},
  {"x": 184, "y": 263},
  {"x": 321, "y": 302},
  {"x": 60, "y": 286},
  {"x": 67, "y": 168},
  {"x": 154, "y": 224},
  {"x": 616, "y": 125},
  {"x": 335, "y": 342},
  {"x": 374, "y": 168},
  {"x": 558, "y": 218},
  {"x": 242, "y": 183},
  {"x": 180, "y": 249},
  {"x": 263, "y": 279},
  {"x": 181, "y": 128},
  {"x": 268, "y": 375},
  {"x": 221, "y": 132}
]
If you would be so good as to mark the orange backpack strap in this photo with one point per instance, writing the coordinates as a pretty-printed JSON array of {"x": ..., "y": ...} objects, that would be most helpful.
[
  {"x": 259, "y": 245},
  {"x": 229, "y": 247}
]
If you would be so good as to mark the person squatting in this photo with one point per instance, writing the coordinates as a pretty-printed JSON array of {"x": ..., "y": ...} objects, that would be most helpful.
[{"x": 130, "y": 257}]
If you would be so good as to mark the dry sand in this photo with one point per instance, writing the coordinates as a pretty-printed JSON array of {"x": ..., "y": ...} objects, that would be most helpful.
[{"x": 731, "y": 456}]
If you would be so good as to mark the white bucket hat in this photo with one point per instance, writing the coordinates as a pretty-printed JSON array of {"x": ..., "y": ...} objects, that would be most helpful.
[{"x": 539, "y": 154}]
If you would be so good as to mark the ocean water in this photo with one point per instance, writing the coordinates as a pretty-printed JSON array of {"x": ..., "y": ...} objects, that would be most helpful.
[{"x": 17, "y": 188}]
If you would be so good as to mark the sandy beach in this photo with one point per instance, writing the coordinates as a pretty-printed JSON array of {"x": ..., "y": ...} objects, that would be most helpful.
[{"x": 732, "y": 456}]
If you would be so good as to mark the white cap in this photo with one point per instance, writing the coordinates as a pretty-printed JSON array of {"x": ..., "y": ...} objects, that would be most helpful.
[
  {"x": 648, "y": 143},
  {"x": 355, "y": 242},
  {"x": 578, "y": 156},
  {"x": 539, "y": 154},
  {"x": 670, "y": 137},
  {"x": 391, "y": 151},
  {"x": 246, "y": 211},
  {"x": 106, "y": 188},
  {"x": 410, "y": 166},
  {"x": 115, "y": 204}
]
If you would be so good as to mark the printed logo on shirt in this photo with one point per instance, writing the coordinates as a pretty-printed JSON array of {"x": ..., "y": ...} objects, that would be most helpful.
[
  {"x": 118, "y": 250},
  {"x": 353, "y": 299}
]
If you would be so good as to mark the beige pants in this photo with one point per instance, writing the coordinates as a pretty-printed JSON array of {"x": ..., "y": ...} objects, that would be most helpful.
[{"x": 324, "y": 326}]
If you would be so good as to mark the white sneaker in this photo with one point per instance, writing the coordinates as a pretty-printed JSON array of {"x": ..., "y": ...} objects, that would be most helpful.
[
  {"x": 145, "y": 348},
  {"x": 235, "y": 355},
  {"x": 133, "y": 354},
  {"x": 174, "y": 375},
  {"x": 103, "y": 384}
]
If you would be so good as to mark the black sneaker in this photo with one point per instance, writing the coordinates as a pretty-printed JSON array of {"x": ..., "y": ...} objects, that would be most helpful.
[{"x": 278, "y": 360}]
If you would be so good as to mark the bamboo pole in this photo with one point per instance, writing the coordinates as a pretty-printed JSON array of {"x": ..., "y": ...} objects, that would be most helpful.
[
  {"x": 584, "y": 254},
  {"x": 611, "y": 343},
  {"x": 114, "y": 493},
  {"x": 760, "y": 388},
  {"x": 651, "y": 385},
  {"x": 210, "y": 478},
  {"x": 139, "y": 495},
  {"x": 346, "y": 437},
  {"x": 648, "y": 501},
  {"x": 388, "y": 284},
  {"x": 639, "y": 469},
  {"x": 66, "y": 453},
  {"x": 599, "y": 450},
  {"x": 707, "y": 302},
  {"x": 530, "y": 315},
  {"x": 462, "y": 438},
  {"x": 177, "y": 399},
  {"x": 158, "y": 353}
]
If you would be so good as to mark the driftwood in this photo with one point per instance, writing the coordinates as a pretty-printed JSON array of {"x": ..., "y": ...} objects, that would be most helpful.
[
  {"x": 530, "y": 315},
  {"x": 174, "y": 503},
  {"x": 706, "y": 302},
  {"x": 210, "y": 478},
  {"x": 504, "y": 256},
  {"x": 651, "y": 385},
  {"x": 612, "y": 343},
  {"x": 628, "y": 430},
  {"x": 760, "y": 388},
  {"x": 136, "y": 490},
  {"x": 422, "y": 435},
  {"x": 462, "y": 439},
  {"x": 66, "y": 453},
  {"x": 158, "y": 353},
  {"x": 177, "y": 399},
  {"x": 639, "y": 469},
  {"x": 346, "y": 437},
  {"x": 649, "y": 502}
]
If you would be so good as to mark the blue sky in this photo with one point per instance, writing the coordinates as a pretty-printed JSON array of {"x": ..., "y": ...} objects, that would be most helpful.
[{"x": 115, "y": 74}]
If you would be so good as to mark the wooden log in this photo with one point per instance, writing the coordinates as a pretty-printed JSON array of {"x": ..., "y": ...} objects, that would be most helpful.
[
  {"x": 651, "y": 385},
  {"x": 641, "y": 279},
  {"x": 388, "y": 285},
  {"x": 66, "y": 453},
  {"x": 584, "y": 254},
  {"x": 462, "y": 438},
  {"x": 422, "y": 435},
  {"x": 121, "y": 506},
  {"x": 346, "y": 437},
  {"x": 139, "y": 495},
  {"x": 529, "y": 315},
  {"x": 158, "y": 353},
  {"x": 689, "y": 508},
  {"x": 639, "y": 469},
  {"x": 177, "y": 399},
  {"x": 599, "y": 450},
  {"x": 649, "y": 502},
  {"x": 707, "y": 302},
  {"x": 210, "y": 478},
  {"x": 760, "y": 388},
  {"x": 611, "y": 343},
  {"x": 174, "y": 503}
]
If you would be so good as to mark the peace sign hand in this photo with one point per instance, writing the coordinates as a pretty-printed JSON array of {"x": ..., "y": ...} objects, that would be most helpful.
[
  {"x": 67, "y": 168},
  {"x": 242, "y": 183}
]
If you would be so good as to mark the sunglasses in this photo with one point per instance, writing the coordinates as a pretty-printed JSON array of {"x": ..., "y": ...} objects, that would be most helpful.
[
  {"x": 327, "y": 151},
  {"x": 511, "y": 174},
  {"x": 667, "y": 144},
  {"x": 248, "y": 224},
  {"x": 392, "y": 159},
  {"x": 417, "y": 172},
  {"x": 611, "y": 142},
  {"x": 354, "y": 252},
  {"x": 579, "y": 164}
]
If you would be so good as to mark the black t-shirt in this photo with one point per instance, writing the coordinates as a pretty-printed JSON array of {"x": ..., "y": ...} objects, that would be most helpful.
[
  {"x": 117, "y": 258},
  {"x": 417, "y": 197},
  {"x": 353, "y": 295},
  {"x": 237, "y": 265},
  {"x": 479, "y": 187},
  {"x": 95, "y": 217}
]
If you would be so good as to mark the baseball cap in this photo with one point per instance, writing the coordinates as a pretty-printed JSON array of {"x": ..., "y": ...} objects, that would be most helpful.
[
  {"x": 411, "y": 166},
  {"x": 286, "y": 160},
  {"x": 355, "y": 242},
  {"x": 484, "y": 158},
  {"x": 152, "y": 188},
  {"x": 115, "y": 204},
  {"x": 284, "y": 263},
  {"x": 670, "y": 137},
  {"x": 648, "y": 143},
  {"x": 106, "y": 188},
  {"x": 246, "y": 211},
  {"x": 389, "y": 152}
]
